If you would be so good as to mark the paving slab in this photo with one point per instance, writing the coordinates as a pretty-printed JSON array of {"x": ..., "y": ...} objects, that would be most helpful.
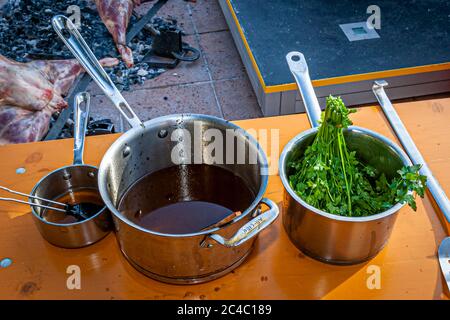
[
  {"x": 207, "y": 16},
  {"x": 237, "y": 99},
  {"x": 184, "y": 73},
  {"x": 216, "y": 84},
  {"x": 222, "y": 56},
  {"x": 149, "y": 104},
  {"x": 102, "y": 108}
]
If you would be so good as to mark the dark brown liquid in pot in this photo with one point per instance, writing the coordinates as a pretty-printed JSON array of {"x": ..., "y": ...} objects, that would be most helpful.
[
  {"x": 86, "y": 201},
  {"x": 185, "y": 199}
]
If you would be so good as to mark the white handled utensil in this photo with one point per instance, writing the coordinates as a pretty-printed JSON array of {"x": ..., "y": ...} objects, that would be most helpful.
[
  {"x": 416, "y": 157},
  {"x": 408, "y": 144},
  {"x": 444, "y": 259}
]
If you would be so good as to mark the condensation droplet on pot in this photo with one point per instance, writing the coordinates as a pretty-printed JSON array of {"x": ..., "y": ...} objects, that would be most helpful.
[
  {"x": 205, "y": 244},
  {"x": 163, "y": 133},
  {"x": 169, "y": 196},
  {"x": 91, "y": 174},
  {"x": 20, "y": 170},
  {"x": 67, "y": 176},
  {"x": 138, "y": 214},
  {"x": 126, "y": 151},
  {"x": 5, "y": 263}
]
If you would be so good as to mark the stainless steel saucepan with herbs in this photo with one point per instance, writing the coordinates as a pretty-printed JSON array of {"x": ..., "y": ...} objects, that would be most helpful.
[{"x": 344, "y": 185}]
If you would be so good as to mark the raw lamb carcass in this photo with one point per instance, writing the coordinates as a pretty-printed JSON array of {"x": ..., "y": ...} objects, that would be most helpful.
[
  {"x": 116, "y": 15},
  {"x": 31, "y": 92}
]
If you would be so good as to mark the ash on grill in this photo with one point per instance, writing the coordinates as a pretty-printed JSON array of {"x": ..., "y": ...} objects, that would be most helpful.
[
  {"x": 26, "y": 34},
  {"x": 94, "y": 127}
]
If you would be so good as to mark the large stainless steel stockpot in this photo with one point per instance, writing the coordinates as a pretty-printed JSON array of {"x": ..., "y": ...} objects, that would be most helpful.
[
  {"x": 181, "y": 258},
  {"x": 321, "y": 235},
  {"x": 148, "y": 147}
]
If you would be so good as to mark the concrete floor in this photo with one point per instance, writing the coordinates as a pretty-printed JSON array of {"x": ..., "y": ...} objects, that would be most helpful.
[{"x": 216, "y": 84}]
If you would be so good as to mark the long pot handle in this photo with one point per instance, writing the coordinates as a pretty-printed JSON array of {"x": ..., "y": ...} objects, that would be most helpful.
[
  {"x": 81, "y": 116},
  {"x": 299, "y": 68},
  {"x": 407, "y": 142},
  {"x": 251, "y": 228},
  {"x": 69, "y": 34}
]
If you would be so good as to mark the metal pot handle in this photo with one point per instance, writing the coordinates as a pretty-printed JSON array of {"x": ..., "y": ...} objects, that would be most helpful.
[
  {"x": 69, "y": 34},
  {"x": 251, "y": 228},
  {"x": 299, "y": 68},
  {"x": 80, "y": 116}
]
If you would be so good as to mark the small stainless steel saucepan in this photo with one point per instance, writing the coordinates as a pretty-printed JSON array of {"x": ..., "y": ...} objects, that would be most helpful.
[
  {"x": 147, "y": 148},
  {"x": 76, "y": 182},
  {"x": 321, "y": 235}
]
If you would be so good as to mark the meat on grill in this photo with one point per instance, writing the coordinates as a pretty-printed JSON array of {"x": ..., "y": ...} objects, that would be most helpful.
[
  {"x": 31, "y": 92},
  {"x": 116, "y": 15}
]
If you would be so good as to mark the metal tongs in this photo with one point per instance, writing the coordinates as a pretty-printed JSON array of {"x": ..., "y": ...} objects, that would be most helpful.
[{"x": 68, "y": 209}]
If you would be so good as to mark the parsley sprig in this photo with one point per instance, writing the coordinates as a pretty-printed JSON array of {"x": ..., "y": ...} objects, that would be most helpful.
[{"x": 331, "y": 178}]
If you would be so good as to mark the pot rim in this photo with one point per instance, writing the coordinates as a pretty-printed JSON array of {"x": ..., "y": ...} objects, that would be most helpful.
[
  {"x": 137, "y": 131},
  {"x": 33, "y": 192},
  {"x": 292, "y": 144}
]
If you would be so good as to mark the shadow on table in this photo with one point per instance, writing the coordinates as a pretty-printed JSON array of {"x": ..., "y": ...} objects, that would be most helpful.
[{"x": 286, "y": 273}]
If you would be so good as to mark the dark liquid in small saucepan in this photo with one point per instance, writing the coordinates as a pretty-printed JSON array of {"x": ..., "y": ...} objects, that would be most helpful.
[
  {"x": 185, "y": 199},
  {"x": 85, "y": 201}
]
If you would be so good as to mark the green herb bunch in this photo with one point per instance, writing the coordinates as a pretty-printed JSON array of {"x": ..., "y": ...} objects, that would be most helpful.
[{"x": 331, "y": 178}]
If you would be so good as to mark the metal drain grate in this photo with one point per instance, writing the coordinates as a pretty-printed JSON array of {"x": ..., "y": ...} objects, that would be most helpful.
[{"x": 358, "y": 31}]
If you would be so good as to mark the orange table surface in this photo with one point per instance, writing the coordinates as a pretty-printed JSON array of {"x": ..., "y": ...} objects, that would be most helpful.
[{"x": 276, "y": 269}]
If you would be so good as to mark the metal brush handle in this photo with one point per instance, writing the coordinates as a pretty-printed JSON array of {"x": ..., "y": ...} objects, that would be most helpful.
[
  {"x": 414, "y": 154},
  {"x": 299, "y": 68},
  {"x": 81, "y": 117},
  {"x": 69, "y": 34}
]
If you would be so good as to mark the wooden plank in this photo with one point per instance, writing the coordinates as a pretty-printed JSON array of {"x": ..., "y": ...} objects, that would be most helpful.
[
  {"x": 271, "y": 104},
  {"x": 287, "y": 105},
  {"x": 394, "y": 82},
  {"x": 394, "y": 93},
  {"x": 274, "y": 270}
]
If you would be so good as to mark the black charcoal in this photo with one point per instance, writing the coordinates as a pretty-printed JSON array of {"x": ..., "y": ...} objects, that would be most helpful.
[{"x": 26, "y": 34}]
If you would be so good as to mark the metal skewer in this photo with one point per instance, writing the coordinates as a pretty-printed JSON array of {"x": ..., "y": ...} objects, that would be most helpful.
[
  {"x": 33, "y": 204},
  {"x": 67, "y": 208},
  {"x": 30, "y": 196}
]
